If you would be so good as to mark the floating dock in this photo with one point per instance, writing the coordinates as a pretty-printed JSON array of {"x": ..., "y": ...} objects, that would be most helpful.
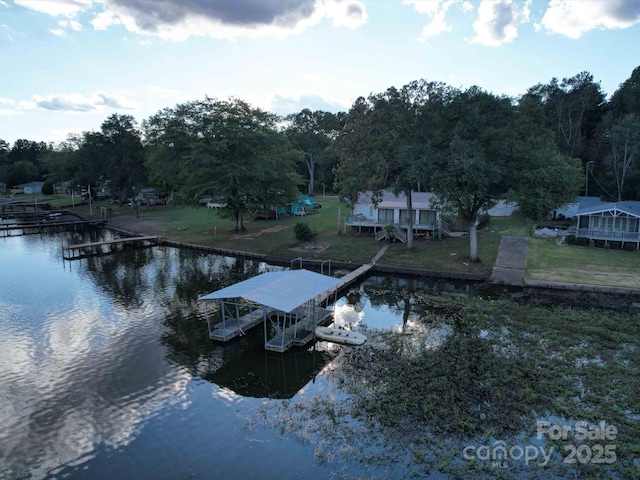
[{"x": 234, "y": 327}]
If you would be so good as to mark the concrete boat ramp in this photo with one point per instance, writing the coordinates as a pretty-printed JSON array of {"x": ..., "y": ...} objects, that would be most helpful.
[{"x": 511, "y": 262}]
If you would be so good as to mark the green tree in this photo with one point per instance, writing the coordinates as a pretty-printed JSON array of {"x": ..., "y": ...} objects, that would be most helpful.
[
  {"x": 477, "y": 149},
  {"x": 380, "y": 149},
  {"x": 626, "y": 99},
  {"x": 573, "y": 108},
  {"x": 313, "y": 133},
  {"x": 466, "y": 180},
  {"x": 227, "y": 149},
  {"x": 122, "y": 153},
  {"x": 624, "y": 138}
]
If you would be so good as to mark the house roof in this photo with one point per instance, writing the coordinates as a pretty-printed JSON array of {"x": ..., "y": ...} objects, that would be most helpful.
[
  {"x": 284, "y": 291},
  {"x": 593, "y": 206},
  {"x": 391, "y": 200},
  {"x": 30, "y": 184}
]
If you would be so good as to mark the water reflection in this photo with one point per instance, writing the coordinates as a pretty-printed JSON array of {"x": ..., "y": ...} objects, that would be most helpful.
[{"x": 110, "y": 355}]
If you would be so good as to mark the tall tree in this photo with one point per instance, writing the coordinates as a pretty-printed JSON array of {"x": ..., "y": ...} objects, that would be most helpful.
[
  {"x": 312, "y": 133},
  {"x": 476, "y": 151},
  {"x": 573, "y": 107},
  {"x": 380, "y": 150},
  {"x": 624, "y": 138},
  {"x": 123, "y": 155},
  {"x": 227, "y": 149},
  {"x": 626, "y": 99}
]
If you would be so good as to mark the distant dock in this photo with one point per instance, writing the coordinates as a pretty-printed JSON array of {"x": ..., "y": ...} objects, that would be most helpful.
[{"x": 92, "y": 249}]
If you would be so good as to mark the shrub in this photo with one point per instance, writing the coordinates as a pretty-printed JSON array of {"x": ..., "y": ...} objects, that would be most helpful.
[
  {"x": 606, "y": 245},
  {"x": 571, "y": 239},
  {"x": 47, "y": 188},
  {"x": 304, "y": 233},
  {"x": 630, "y": 247},
  {"x": 582, "y": 241},
  {"x": 615, "y": 244}
]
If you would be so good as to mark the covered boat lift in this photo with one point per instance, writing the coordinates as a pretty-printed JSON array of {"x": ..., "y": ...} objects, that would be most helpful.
[{"x": 287, "y": 303}]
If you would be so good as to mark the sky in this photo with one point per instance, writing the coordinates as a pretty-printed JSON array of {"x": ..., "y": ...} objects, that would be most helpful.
[{"x": 67, "y": 65}]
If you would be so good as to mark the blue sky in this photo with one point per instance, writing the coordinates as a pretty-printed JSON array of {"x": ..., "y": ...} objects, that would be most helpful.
[{"x": 69, "y": 64}]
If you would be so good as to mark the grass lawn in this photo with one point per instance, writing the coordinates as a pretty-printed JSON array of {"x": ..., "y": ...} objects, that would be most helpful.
[
  {"x": 550, "y": 262},
  {"x": 546, "y": 261}
]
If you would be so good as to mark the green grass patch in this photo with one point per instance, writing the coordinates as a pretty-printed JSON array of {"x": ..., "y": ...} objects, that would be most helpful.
[{"x": 547, "y": 261}]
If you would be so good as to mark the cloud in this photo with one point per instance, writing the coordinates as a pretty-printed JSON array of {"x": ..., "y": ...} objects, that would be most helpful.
[
  {"x": 285, "y": 105},
  {"x": 77, "y": 103},
  {"x": 436, "y": 11},
  {"x": 181, "y": 19},
  {"x": 67, "y": 8},
  {"x": 497, "y": 21},
  {"x": 573, "y": 18}
]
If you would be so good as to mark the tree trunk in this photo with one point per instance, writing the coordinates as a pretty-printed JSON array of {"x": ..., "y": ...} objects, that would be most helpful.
[
  {"x": 473, "y": 242},
  {"x": 239, "y": 224},
  {"x": 410, "y": 215},
  {"x": 311, "y": 166}
]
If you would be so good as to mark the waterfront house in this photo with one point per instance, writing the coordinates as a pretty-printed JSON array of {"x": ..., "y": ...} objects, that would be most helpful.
[
  {"x": 391, "y": 210},
  {"x": 611, "y": 221},
  {"x": 29, "y": 188}
]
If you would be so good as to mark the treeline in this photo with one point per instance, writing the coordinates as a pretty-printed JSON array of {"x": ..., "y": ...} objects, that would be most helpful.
[{"x": 535, "y": 149}]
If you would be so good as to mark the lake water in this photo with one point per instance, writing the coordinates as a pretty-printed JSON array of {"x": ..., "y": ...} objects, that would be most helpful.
[{"x": 106, "y": 370}]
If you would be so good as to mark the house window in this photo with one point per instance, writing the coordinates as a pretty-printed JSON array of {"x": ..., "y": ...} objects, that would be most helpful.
[
  {"x": 404, "y": 216},
  {"x": 427, "y": 217},
  {"x": 385, "y": 215},
  {"x": 584, "y": 222},
  {"x": 633, "y": 225}
]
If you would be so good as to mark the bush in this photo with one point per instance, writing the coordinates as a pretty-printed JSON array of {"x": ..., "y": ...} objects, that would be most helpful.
[
  {"x": 304, "y": 233},
  {"x": 582, "y": 241},
  {"x": 571, "y": 239},
  {"x": 615, "y": 244},
  {"x": 606, "y": 245},
  {"x": 47, "y": 188},
  {"x": 630, "y": 247}
]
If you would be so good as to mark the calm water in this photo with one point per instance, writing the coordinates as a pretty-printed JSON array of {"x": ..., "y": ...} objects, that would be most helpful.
[{"x": 106, "y": 370}]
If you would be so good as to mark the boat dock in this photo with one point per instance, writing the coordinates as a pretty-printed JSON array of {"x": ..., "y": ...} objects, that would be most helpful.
[
  {"x": 344, "y": 282},
  {"x": 32, "y": 228},
  {"x": 83, "y": 250},
  {"x": 299, "y": 333},
  {"x": 231, "y": 328}
]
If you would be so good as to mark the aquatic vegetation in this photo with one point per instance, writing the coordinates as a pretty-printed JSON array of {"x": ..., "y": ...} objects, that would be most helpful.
[{"x": 500, "y": 367}]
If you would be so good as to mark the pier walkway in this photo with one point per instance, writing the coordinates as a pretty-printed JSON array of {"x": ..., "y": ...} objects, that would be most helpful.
[{"x": 82, "y": 250}]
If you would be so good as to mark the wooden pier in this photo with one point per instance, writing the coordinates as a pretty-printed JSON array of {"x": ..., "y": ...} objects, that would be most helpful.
[
  {"x": 345, "y": 281},
  {"x": 83, "y": 250},
  {"x": 34, "y": 228}
]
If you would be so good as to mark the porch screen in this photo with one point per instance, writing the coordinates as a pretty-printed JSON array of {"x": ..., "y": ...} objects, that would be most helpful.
[
  {"x": 404, "y": 216},
  {"x": 385, "y": 215},
  {"x": 427, "y": 217}
]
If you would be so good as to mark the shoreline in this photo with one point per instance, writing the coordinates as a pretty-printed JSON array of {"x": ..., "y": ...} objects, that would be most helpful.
[{"x": 531, "y": 287}]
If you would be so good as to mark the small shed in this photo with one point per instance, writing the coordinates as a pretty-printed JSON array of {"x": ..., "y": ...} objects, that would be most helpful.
[{"x": 287, "y": 303}]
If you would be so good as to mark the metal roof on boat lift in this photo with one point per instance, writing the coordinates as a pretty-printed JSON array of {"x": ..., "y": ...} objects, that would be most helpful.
[{"x": 284, "y": 291}]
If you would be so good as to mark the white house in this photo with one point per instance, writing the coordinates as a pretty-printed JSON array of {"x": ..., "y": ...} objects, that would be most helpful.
[
  {"x": 391, "y": 209},
  {"x": 30, "y": 188},
  {"x": 611, "y": 221}
]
